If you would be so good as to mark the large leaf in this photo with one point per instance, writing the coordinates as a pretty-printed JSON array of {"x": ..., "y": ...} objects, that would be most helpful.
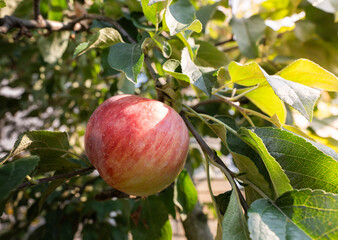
[
  {"x": 298, "y": 214},
  {"x": 181, "y": 16},
  {"x": 280, "y": 181},
  {"x": 234, "y": 225},
  {"x": 300, "y": 97},
  {"x": 249, "y": 162},
  {"x": 202, "y": 80},
  {"x": 303, "y": 163},
  {"x": 44, "y": 143},
  {"x": 127, "y": 58},
  {"x": 150, "y": 220},
  {"x": 13, "y": 173},
  {"x": 310, "y": 74},
  {"x": 185, "y": 194},
  {"x": 264, "y": 96},
  {"x": 105, "y": 37},
  {"x": 247, "y": 34}
]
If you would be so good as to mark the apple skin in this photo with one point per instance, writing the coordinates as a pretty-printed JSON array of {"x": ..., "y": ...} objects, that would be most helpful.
[{"x": 138, "y": 145}]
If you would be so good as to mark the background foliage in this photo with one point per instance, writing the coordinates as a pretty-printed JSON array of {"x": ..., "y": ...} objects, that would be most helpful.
[{"x": 259, "y": 76}]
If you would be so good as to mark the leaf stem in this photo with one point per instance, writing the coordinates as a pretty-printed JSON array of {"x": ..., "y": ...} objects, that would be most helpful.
[
  {"x": 245, "y": 111},
  {"x": 207, "y": 169}
]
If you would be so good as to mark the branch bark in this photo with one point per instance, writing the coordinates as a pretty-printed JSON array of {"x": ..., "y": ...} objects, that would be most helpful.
[
  {"x": 53, "y": 178},
  {"x": 214, "y": 156}
]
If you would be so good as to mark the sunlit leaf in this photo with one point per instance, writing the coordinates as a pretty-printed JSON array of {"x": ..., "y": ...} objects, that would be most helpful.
[
  {"x": 279, "y": 179},
  {"x": 298, "y": 214},
  {"x": 303, "y": 163},
  {"x": 310, "y": 74},
  {"x": 181, "y": 16},
  {"x": 153, "y": 11},
  {"x": 300, "y": 97},
  {"x": 105, "y": 37},
  {"x": 203, "y": 81},
  {"x": 43, "y": 143},
  {"x": 171, "y": 67},
  {"x": 265, "y": 99}
]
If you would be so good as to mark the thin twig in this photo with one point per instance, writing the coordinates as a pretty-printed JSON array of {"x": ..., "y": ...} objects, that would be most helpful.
[
  {"x": 53, "y": 178},
  {"x": 225, "y": 41}
]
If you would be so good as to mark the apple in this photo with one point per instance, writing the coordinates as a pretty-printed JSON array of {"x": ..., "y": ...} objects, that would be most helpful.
[{"x": 138, "y": 145}]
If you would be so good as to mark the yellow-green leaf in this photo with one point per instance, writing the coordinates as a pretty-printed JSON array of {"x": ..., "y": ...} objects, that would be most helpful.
[
  {"x": 265, "y": 99},
  {"x": 310, "y": 74},
  {"x": 247, "y": 75}
]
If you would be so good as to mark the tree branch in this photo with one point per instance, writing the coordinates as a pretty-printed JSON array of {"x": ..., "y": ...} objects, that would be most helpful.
[
  {"x": 213, "y": 155},
  {"x": 53, "y": 178},
  {"x": 36, "y": 6}
]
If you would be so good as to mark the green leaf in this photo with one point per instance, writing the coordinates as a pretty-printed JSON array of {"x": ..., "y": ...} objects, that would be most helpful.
[
  {"x": 234, "y": 225},
  {"x": 172, "y": 67},
  {"x": 163, "y": 45},
  {"x": 300, "y": 97},
  {"x": 298, "y": 214},
  {"x": 249, "y": 162},
  {"x": 279, "y": 179},
  {"x": 150, "y": 220},
  {"x": 202, "y": 80},
  {"x": 222, "y": 201},
  {"x": 247, "y": 34},
  {"x": 105, "y": 37},
  {"x": 310, "y": 74},
  {"x": 43, "y": 143},
  {"x": 55, "y": 9},
  {"x": 205, "y": 13},
  {"x": 50, "y": 189},
  {"x": 209, "y": 56},
  {"x": 181, "y": 16},
  {"x": 151, "y": 2},
  {"x": 55, "y": 163},
  {"x": 2, "y": 3},
  {"x": 303, "y": 163},
  {"x": 127, "y": 58},
  {"x": 185, "y": 194},
  {"x": 153, "y": 12},
  {"x": 13, "y": 173}
]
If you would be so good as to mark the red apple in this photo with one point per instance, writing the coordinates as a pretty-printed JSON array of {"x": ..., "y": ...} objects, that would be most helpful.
[{"x": 138, "y": 145}]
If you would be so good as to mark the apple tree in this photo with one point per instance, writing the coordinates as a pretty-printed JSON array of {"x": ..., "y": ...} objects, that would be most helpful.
[{"x": 257, "y": 77}]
